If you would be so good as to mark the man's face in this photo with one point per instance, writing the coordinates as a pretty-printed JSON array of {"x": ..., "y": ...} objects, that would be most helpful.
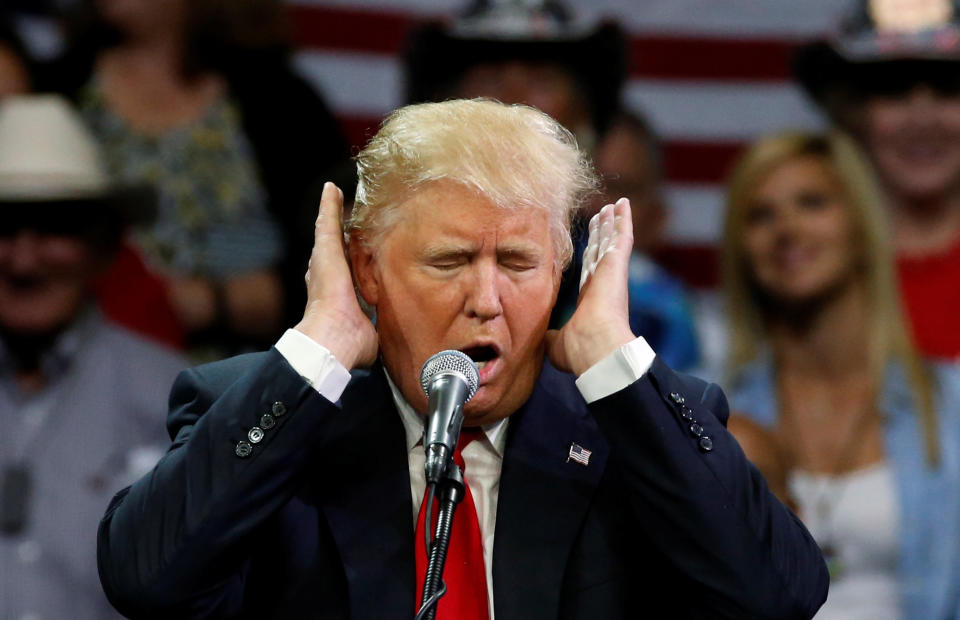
[
  {"x": 458, "y": 272},
  {"x": 44, "y": 279},
  {"x": 914, "y": 139}
]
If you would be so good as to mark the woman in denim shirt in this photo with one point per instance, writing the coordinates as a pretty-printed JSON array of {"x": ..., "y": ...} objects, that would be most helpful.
[{"x": 831, "y": 400}]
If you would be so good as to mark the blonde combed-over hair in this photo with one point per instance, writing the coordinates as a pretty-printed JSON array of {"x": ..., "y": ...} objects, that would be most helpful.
[
  {"x": 888, "y": 336},
  {"x": 515, "y": 155}
]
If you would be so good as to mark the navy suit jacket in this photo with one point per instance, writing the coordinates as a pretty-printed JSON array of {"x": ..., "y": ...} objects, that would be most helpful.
[{"x": 317, "y": 521}]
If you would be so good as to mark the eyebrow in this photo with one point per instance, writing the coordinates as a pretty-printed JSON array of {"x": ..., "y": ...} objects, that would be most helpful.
[
  {"x": 520, "y": 251},
  {"x": 439, "y": 252},
  {"x": 526, "y": 251}
]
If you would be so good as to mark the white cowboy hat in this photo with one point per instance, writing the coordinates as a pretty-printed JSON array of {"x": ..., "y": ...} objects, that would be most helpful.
[{"x": 47, "y": 155}]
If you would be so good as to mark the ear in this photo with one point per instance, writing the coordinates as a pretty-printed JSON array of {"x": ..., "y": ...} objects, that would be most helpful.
[{"x": 366, "y": 276}]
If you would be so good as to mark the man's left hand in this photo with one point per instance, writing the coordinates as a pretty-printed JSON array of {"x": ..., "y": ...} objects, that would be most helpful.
[{"x": 601, "y": 323}]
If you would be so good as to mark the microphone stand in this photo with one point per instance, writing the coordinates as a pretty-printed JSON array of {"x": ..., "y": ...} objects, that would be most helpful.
[{"x": 451, "y": 492}]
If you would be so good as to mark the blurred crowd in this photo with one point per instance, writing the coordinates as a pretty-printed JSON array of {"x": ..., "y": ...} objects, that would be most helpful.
[{"x": 160, "y": 166}]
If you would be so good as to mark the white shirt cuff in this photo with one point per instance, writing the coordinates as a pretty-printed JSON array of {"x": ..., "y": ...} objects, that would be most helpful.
[
  {"x": 314, "y": 363},
  {"x": 616, "y": 371}
]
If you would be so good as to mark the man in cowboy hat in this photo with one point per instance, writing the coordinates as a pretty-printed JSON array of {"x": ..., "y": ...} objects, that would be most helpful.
[
  {"x": 535, "y": 53},
  {"x": 891, "y": 77},
  {"x": 80, "y": 400}
]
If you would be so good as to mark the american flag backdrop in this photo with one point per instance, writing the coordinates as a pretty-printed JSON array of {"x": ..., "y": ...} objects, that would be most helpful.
[{"x": 709, "y": 74}]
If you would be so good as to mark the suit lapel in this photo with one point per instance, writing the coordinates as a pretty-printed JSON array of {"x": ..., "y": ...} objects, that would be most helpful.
[
  {"x": 543, "y": 497},
  {"x": 369, "y": 509}
]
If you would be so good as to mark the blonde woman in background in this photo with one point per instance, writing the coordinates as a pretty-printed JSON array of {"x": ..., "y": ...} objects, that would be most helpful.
[{"x": 831, "y": 400}]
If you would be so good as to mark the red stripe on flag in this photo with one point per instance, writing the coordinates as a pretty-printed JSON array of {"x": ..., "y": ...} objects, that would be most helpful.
[
  {"x": 359, "y": 129},
  {"x": 697, "y": 265},
  {"x": 700, "y": 58},
  {"x": 699, "y": 162},
  {"x": 330, "y": 28},
  {"x": 652, "y": 56}
]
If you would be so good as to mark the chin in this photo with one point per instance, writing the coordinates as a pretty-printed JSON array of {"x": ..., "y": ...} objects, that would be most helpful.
[
  {"x": 479, "y": 408},
  {"x": 485, "y": 408}
]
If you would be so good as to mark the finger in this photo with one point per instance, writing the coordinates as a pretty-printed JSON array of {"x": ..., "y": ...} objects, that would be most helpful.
[
  {"x": 616, "y": 235},
  {"x": 623, "y": 223},
  {"x": 591, "y": 252},
  {"x": 329, "y": 214},
  {"x": 607, "y": 231}
]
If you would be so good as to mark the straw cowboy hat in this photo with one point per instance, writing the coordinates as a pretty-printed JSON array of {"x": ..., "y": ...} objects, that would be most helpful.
[
  {"x": 438, "y": 54},
  {"x": 884, "y": 46},
  {"x": 48, "y": 157}
]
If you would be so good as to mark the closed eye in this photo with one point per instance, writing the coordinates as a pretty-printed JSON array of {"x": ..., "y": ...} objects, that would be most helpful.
[
  {"x": 446, "y": 266},
  {"x": 518, "y": 266},
  {"x": 446, "y": 260},
  {"x": 518, "y": 260}
]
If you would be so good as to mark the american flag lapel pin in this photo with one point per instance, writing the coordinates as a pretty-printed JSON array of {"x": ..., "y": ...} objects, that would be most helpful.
[{"x": 579, "y": 454}]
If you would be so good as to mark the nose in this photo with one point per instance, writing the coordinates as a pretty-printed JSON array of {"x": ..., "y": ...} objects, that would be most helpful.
[
  {"x": 483, "y": 298},
  {"x": 786, "y": 224}
]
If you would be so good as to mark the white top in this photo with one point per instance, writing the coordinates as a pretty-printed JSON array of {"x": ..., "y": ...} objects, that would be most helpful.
[
  {"x": 483, "y": 459},
  {"x": 857, "y": 527}
]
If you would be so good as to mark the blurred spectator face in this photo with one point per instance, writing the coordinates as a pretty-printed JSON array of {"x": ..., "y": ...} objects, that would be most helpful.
[
  {"x": 624, "y": 161},
  {"x": 542, "y": 85},
  {"x": 914, "y": 140},
  {"x": 13, "y": 75},
  {"x": 798, "y": 233},
  {"x": 144, "y": 16},
  {"x": 44, "y": 279}
]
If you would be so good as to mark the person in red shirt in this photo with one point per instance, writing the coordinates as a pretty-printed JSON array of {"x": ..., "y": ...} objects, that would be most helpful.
[{"x": 893, "y": 81}]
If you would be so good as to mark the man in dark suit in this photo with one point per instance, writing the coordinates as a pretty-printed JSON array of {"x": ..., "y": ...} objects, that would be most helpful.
[{"x": 604, "y": 484}]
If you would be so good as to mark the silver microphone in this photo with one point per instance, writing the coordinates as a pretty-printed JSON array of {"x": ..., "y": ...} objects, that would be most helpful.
[{"x": 450, "y": 379}]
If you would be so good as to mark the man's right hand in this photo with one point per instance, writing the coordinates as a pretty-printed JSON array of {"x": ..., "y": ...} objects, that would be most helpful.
[{"x": 333, "y": 317}]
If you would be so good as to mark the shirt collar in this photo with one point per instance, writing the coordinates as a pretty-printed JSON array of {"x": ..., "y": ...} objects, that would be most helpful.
[{"x": 495, "y": 432}]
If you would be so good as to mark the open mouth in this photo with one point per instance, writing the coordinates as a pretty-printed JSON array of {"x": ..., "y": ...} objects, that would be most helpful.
[{"x": 481, "y": 354}]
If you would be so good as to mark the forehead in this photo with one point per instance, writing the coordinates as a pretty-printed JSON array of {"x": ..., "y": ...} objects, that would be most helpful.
[
  {"x": 801, "y": 171},
  {"x": 447, "y": 211}
]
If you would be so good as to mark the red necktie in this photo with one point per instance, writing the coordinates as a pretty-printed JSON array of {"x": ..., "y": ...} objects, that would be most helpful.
[{"x": 463, "y": 572}]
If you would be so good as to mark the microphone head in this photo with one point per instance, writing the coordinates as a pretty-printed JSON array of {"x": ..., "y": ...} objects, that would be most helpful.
[{"x": 451, "y": 362}]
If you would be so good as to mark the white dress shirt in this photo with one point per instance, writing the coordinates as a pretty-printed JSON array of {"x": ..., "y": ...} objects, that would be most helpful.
[{"x": 482, "y": 458}]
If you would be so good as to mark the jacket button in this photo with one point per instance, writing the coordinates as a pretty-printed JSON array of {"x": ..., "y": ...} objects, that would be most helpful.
[
  {"x": 686, "y": 414},
  {"x": 267, "y": 421},
  {"x": 243, "y": 449},
  {"x": 706, "y": 444},
  {"x": 278, "y": 409},
  {"x": 255, "y": 435},
  {"x": 695, "y": 429},
  {"x": 676, "y": 398}
]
